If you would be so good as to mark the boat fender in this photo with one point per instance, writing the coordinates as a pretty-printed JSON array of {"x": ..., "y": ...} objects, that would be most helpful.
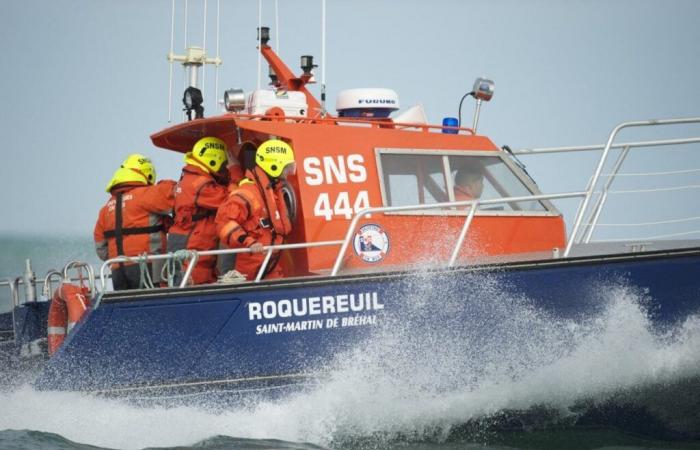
[{"x": 68, "y": 305}]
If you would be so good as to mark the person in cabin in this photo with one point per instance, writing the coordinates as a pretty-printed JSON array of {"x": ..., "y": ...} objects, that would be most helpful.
[
  {"x": 134, "y": 219},
  {"x": 255, "y": 214},
  {"x": 469, "y": 183},
  {"x": 203, "y": 187}
]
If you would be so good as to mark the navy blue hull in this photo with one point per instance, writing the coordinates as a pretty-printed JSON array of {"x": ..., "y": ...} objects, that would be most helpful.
[{"x": 281, "y": 334}]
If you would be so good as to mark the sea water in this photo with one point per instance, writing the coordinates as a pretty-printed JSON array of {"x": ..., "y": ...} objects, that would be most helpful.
[{"x": 609, "y": 381}]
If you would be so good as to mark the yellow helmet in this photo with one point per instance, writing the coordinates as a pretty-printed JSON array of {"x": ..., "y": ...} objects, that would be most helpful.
[
  {"x": 136, "y": 168},
  {"x": 209, "y": 153},
  {"x": 274, "y": 156}
]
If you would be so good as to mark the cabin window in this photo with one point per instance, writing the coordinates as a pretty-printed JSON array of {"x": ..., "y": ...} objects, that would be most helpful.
[
  {"x": 424, "y": 177},
  {"x": 498, "y": 181},
  {"x": 417, "y": 180}
]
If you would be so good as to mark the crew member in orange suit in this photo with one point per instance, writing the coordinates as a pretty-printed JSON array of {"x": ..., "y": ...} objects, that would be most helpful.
[
  {"x": 255, "y": 214},
  {"x": 202, "y": 188},
  {"x": 133, "y": 220},
  {"x": 469, "y": 183}
]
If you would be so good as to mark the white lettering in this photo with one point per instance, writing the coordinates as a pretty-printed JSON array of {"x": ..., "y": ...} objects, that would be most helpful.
[
  {"x": 269, "y": 310},
  {"x": 314, "y": 174},
  {"x": 358, "y": 173},
  {"x": 358, "y": 321},
  {"x": 328, "y": 304},
  {"x": 314, "y": 306},
  {"x": 362, "y": 202},
  {"x": 323, "y": 206},
  {"x": 254, "y": 311},
  {"x": 342, "y": 305},
  {"x": 300, "y": 311},
  {"x": 335, "y": 169},
  {"x": 342, "y": 205},
  {"x": 284, "y": 308},
  {"x": 375, "y": 302},
  {"x": 356, "y": 305}
]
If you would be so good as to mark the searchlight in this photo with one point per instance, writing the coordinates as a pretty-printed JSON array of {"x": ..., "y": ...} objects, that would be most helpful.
[
  {"x": 234, "y": 100},
  {"x": 192, "y": 99}
]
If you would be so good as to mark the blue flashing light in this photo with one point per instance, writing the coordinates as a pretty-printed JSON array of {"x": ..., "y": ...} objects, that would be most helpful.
[{"x": 450, "y": 122}]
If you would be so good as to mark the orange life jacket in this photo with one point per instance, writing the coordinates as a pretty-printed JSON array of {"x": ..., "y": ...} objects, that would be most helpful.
[
  {"x": 255, "y": 212},
  {"x": 198, "y": 196},
  {"x": 132, "y": 221}
]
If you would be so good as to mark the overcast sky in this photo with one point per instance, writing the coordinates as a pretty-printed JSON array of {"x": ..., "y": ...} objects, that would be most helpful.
[{"x": 86, "y": 82}]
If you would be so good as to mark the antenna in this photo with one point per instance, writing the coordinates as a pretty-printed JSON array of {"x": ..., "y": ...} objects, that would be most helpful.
[
  {"x": 184, "y": 69},
  {"x": 277, "y": 27},
  {"x": 193, "y": 58},
  {"x": 185, "y": 23},
  {"x": 170, "y": 77},
  {"x": 204, "y": 42},
  {"x": 216, "y": 70},
  {"x": 259, "y": 39},
  {"x": 323, "y": 58}
]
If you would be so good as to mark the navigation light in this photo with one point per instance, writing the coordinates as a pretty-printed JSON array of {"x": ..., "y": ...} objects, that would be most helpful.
[
  {"x": 264, "y": 37},
  {"x": 307, "y": 64}
]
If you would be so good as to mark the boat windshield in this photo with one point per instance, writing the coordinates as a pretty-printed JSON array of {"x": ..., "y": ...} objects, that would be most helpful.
[{"x": 416, "y": 178}]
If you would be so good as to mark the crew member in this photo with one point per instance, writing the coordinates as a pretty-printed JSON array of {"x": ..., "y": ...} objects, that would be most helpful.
[
  {"x": 469, "y": 183},
  {"x": 132, "y": 221},
  {"x": 202, "y": 188},
  {"x": 255, "y": 214}
]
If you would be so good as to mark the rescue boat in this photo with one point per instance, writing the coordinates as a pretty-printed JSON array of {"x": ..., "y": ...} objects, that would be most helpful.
[{"x": 381, "y": 239}]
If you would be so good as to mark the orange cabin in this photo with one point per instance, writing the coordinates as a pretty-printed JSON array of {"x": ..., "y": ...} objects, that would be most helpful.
[{"x": 346, "y": 164}]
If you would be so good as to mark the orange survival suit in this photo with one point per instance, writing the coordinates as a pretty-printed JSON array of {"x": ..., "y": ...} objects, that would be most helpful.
[
  {"x": 198, "y": 195},
  {"x": 255, "y": 212},
  {"x": 131, "y": 223}
]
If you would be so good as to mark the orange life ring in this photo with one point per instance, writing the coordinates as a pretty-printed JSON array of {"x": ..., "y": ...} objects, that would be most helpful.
[{"x": 68, "y": 305}]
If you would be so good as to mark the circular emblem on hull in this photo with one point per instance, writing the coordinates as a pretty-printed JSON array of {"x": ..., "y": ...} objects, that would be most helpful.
[{"x": 371, "y": 243}]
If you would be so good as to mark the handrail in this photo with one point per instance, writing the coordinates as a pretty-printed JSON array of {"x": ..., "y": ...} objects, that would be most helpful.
[
  {"x": 472, "y": 203},
  {"x": 5, "y": 282},
  {"x": 15, "y": 303},
  {"x": 598, "y": 208},
  {"x": 376, "y": 123},
  {"x": 585, "y": 148},
  {"x": 603, "y": 159},
  {"x": 80, "y": 265},
  {"x": 14, "y": 295},
  {"x": 226, "y": 251},
  {"x": 46, "y": 290},
  {"x": 190, "y": 268}
]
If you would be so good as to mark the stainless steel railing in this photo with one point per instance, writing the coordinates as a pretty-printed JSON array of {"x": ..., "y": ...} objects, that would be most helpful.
[
  {"x": 597, "y": 208},
  {"x": 344, "y": 244},
  {"x": 194, "y": 255},
  {"x": 47, "y": 283}
]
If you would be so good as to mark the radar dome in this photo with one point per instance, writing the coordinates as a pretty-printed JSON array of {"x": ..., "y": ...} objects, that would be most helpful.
[{"x": 367, "y": 103}]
